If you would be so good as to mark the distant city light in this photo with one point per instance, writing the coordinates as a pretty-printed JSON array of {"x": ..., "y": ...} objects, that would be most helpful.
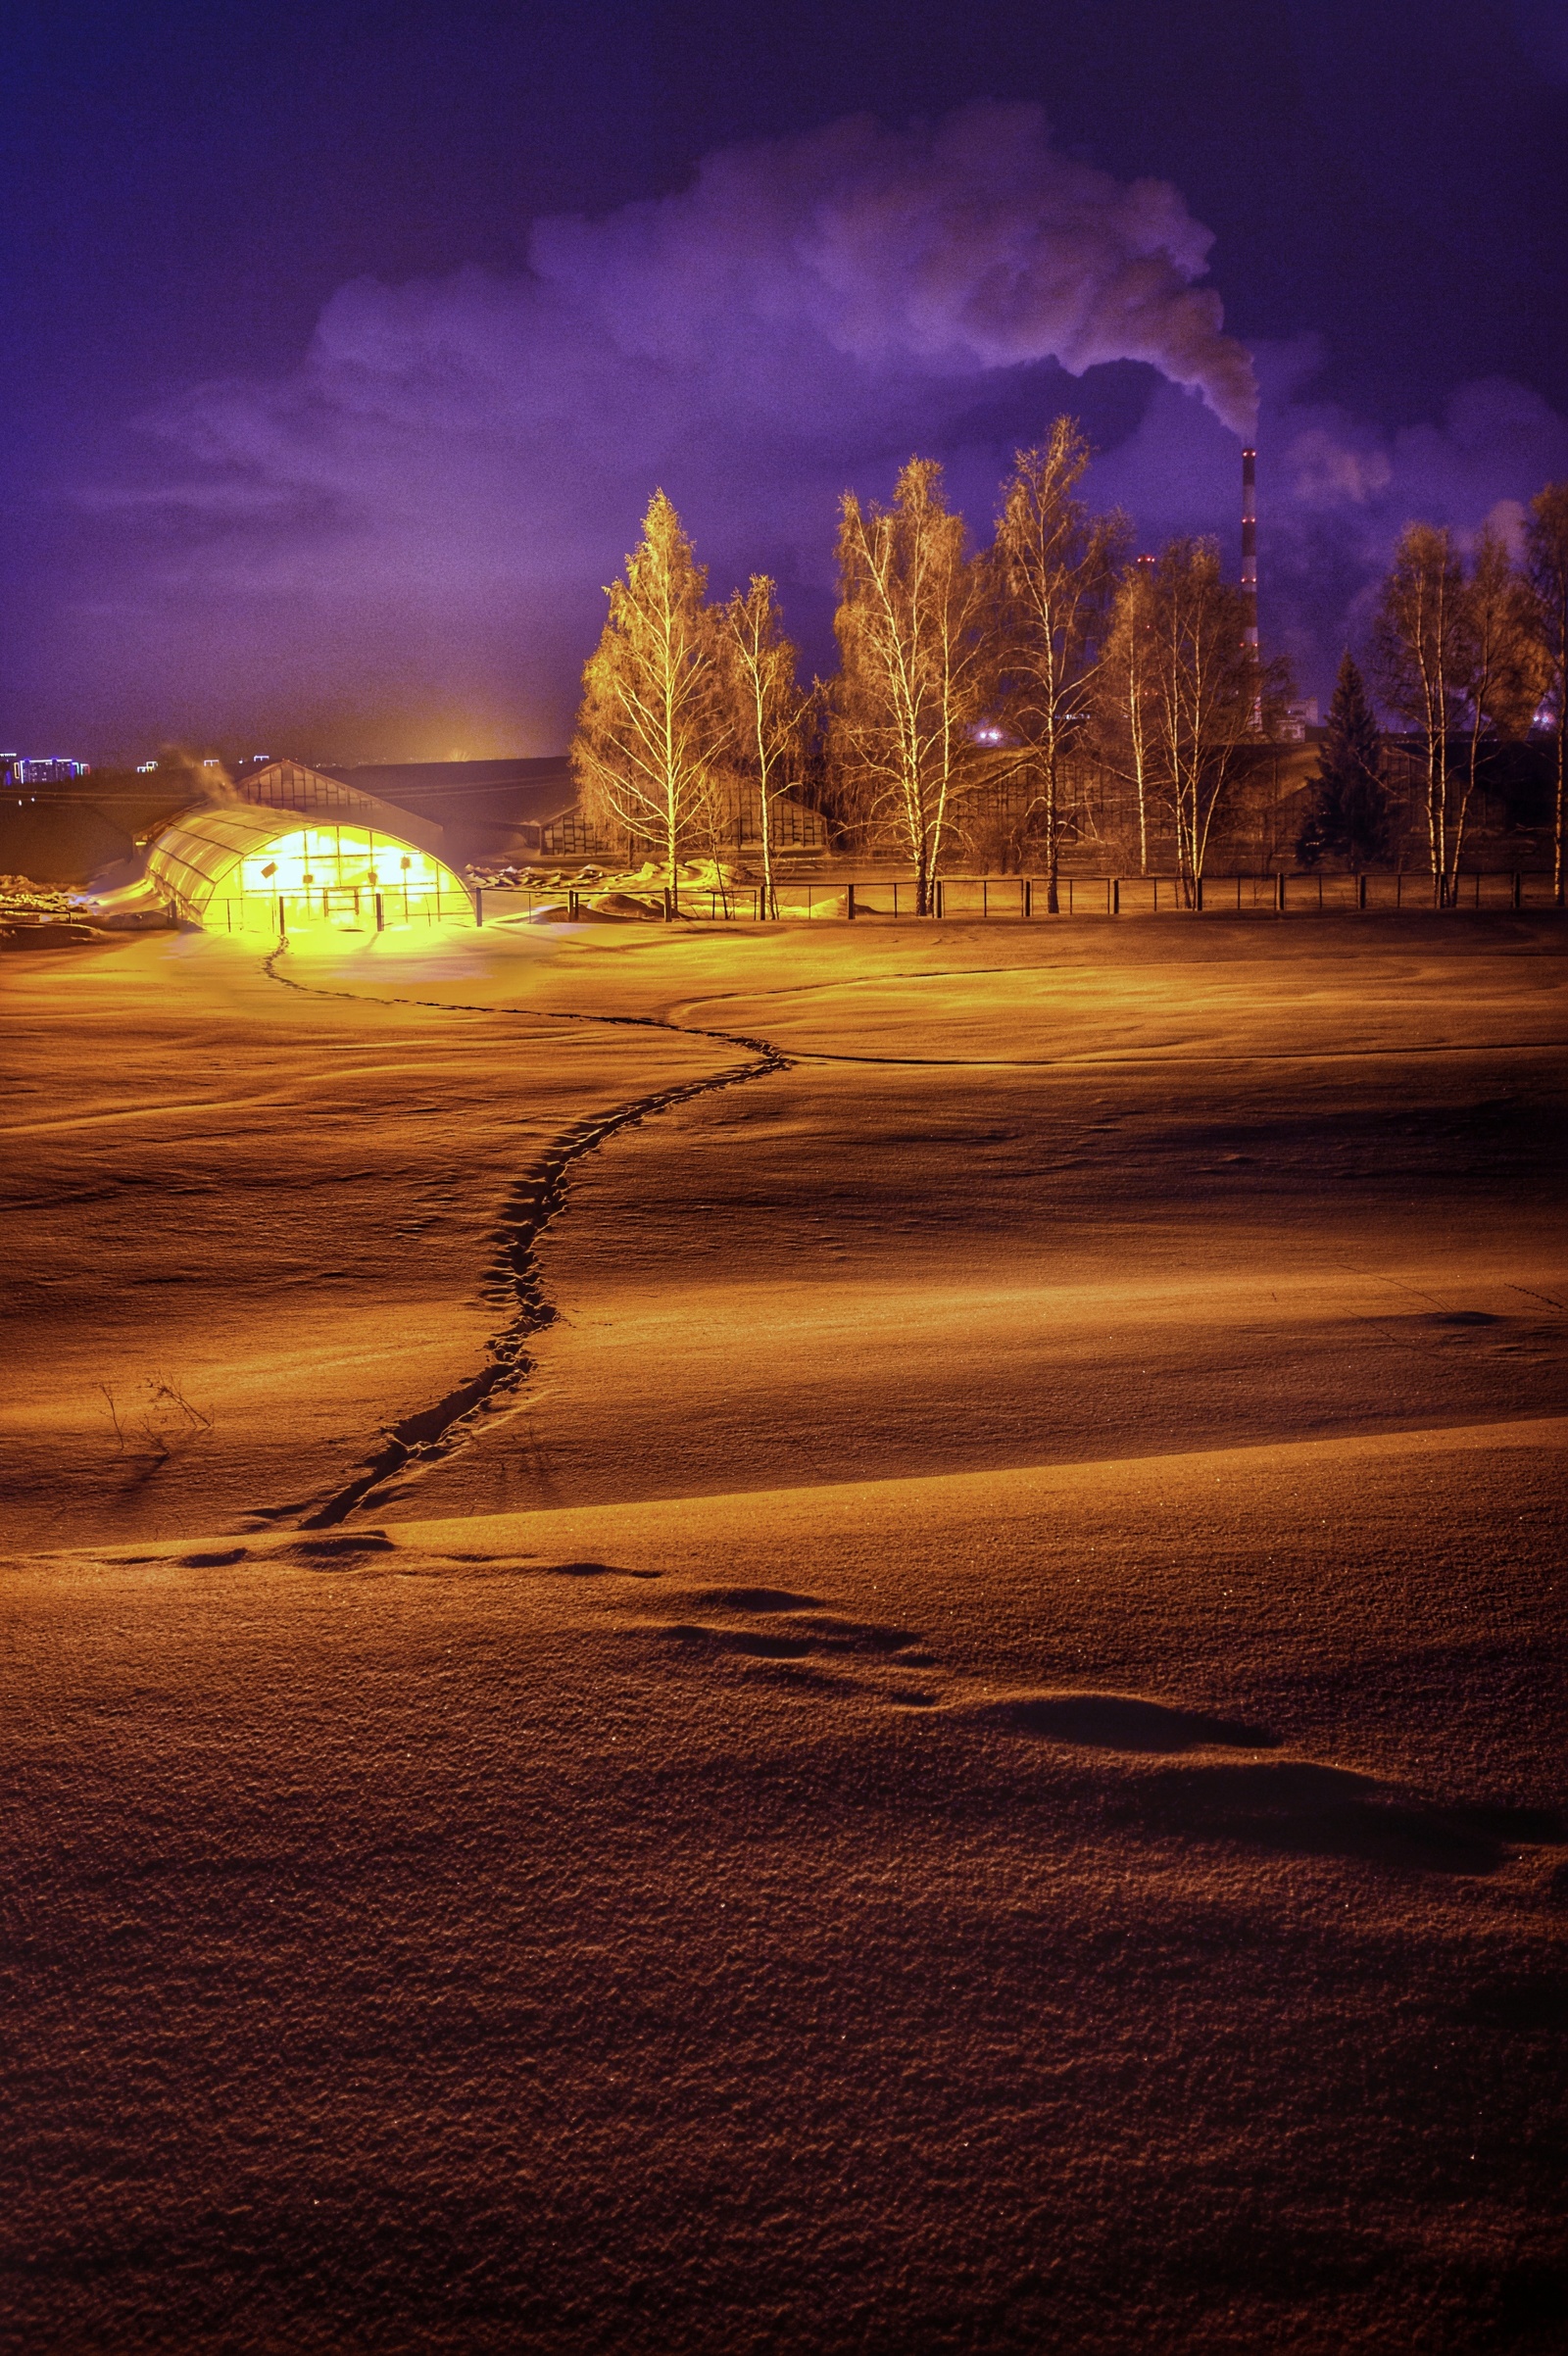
[
  {"x": 45, "y": 768},
  {"x": 142, "y": 767}
]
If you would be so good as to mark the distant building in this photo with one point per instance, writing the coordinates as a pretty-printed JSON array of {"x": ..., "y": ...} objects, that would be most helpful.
[
  {"x": 521, "y": 810},
  {"x": 317, "y": 794},
  {"x": 41, "y": 769},
  {"x": 293, "y": 848},
  {"x": 522, "y": 807}
]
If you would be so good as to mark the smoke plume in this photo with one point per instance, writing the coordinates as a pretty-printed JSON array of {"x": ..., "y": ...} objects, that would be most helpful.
[
  {"x": 399, "y": 548},
  {"x": 968, "y": 247}
]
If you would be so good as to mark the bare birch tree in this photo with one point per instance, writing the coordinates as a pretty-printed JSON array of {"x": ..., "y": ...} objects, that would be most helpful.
[
  {"x": 1499, "y": 666},
  {"x": 1419, "y": 661},
  {"x": 1207, "y": 692},
  {"x": 655, "y": 724},
  {"x": 1124, "y": 709},
  {"x": 914, "y": 647},
  {"x": 1546, "y": 572},
  {"x": 768, "y": 706},
  {"x": 1056, "y": 570}
]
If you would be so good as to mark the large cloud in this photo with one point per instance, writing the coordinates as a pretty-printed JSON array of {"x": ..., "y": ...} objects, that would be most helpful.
[{"x": 405, "y": 539}]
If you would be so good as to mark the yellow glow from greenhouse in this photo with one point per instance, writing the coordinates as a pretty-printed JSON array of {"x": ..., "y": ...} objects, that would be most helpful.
[
  {"x": 340, "y": 859},
  {"x": 251, "y": 869}
]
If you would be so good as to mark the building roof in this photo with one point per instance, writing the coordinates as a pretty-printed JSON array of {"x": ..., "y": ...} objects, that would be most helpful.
[
  {"x": 290, "y": 785},
  {"x": 200, "y": 858},
  {"x": 192, "y": 857},
  {"x": 468, "y": 793}
]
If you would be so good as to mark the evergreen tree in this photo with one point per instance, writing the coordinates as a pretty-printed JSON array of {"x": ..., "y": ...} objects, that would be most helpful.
[{"x": 1350, "y": 817}]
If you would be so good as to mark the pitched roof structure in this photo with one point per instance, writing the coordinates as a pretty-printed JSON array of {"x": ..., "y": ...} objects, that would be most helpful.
[{"x": 290, "y": 785}]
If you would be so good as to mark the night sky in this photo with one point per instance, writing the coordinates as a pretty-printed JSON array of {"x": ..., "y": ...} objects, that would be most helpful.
[{"x": 317, "y": 437}]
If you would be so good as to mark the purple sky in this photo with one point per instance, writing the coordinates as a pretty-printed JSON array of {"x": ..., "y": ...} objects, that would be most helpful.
[{"x": 351, "y": 345}]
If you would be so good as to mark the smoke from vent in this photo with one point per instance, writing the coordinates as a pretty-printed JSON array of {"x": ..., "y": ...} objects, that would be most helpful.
[
  {"x": 399, "y": 544},
  {"x": 972, "y": 245}
]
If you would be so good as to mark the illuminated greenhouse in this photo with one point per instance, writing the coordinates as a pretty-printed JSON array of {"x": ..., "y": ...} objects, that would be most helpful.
[{"x": 249, "y": 870}]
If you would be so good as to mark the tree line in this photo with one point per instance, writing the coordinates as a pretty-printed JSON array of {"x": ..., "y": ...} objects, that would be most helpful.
[
  {"x": 1469, "y": 654},
  {"x": 975, "y": 680}
]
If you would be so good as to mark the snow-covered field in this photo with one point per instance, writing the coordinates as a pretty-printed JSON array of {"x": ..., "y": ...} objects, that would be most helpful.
[{"x": 971, "y": 1757}]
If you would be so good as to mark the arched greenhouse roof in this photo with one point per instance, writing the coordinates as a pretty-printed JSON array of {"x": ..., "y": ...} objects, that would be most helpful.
[{"x": 236, "y": 851}]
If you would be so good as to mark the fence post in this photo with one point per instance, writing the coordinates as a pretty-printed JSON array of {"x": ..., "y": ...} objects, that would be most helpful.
[
  {"x": 283, "y": 919},
  {"x": 939, "y": 897},
  {"x": 1198, "y": 894},
  {"x": 1360, "y": 895},
  {"x": 571, "y": 907},
  {"x": 669, "y": 906},
  {"x": 380, "y": 914},
  {"x": 1518, "y": 889},
  {"x": 1028, "y": 895},
  {"x": 1279, "y": 895},
  {"x": 849, "y": 902},
  {"x": 479, "y": 904},
  {"x": 1116, "y": 895}
]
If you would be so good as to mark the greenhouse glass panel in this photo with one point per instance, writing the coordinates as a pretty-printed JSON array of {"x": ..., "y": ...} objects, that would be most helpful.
[{"x": 259, "y": 869}]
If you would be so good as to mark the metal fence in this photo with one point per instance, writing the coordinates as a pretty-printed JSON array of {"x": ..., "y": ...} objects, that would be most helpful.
[{"x": 1018, "y": 896}]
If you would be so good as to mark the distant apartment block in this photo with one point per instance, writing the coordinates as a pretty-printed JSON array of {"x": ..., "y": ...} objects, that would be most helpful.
[{"x": 40, "y": 769}]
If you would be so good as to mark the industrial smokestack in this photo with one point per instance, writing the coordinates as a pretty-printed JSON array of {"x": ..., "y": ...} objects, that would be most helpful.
[{"x": 1249, "y": 545}]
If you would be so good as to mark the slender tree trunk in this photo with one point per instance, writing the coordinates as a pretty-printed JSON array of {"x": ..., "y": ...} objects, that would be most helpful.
[
  {"x": 1434, "y": 804},
  {"x": 1187, "y": 830},
  {"x": 1472, "y": 771},
  {"x": 769, "y": 910},
  {"x": 1141, "y": 778},
  {"x": 1437, "y": 729},
  {"x": 671, "y": 825}
]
